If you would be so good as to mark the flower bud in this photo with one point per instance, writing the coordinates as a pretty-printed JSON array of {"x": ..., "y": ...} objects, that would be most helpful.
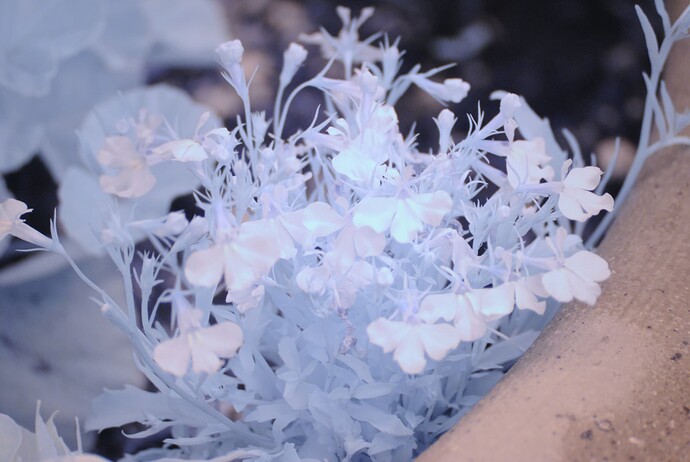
[{"x": 293, "y": 58}]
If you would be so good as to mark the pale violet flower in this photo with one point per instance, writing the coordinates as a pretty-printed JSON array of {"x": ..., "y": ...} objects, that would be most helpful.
[
  {"x": 293, "y": 58},
  {"x": 451, "y": 90},
  {"x": 578, "y": 278},
  {"x": 465, "y": 310},
  {"x": 405, "y": 216},
  {"x": 528, "y": 163},
  {"x": 182, "y": 150},
  {"x": 362, "y": 158},
  {"x": 346, "y": 47},
  {"x": 411, "y": 341},
  {"x": 445, "y": 121},
  {"x": 203, "y": 346},
  {"x": 576, "y": 200},
  {"x": 124, "y": 138},
  {"x": 240, "y": 256},
  {"x": 131, "y": 175}
]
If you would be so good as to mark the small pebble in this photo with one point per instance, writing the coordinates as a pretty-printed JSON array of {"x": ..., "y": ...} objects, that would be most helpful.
[
  {"x": 604, "y": 425},
  {"x": 636, "y": 441}
]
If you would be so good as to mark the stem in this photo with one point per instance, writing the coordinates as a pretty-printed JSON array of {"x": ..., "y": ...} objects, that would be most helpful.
[{"x": 644, "y": 149}]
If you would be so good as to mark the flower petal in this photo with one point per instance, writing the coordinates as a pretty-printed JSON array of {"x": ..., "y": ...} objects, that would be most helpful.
[
  {"x": 205, "y": 267},
  {"x": 321, "y": 220},
  {"x": 586, "y": 178},
  {"x": 571, "y": 208},
  {"x": 203, "y": 358},
  {"x": 437, "y": 306},
  {"x": 438, "y": 339},
  {"x": 410, "y": 354},
  {"x": 224, "y": 339},
  {"x": 495, "y": 302},
  {"x": 375, "y": 212},
  {"x": 387, "y": 334},
  {"x": 130, "y": 182},
  {"x": 470, "y": 327},
  {"x": 525, "y": 299},
  {"x": 406, "y": 223},
  {"x": 557, "y": 285},
  {"x": 368, "y": 243},
  {"x": 589, "y": 266},
  {"x": 431, "y": 207},
  {"x": 173, "y": 355}
]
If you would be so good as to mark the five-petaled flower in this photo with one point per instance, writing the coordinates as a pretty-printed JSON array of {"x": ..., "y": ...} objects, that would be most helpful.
[
  {"x": 576, "y": 200},
  {"x": 205, "y": 346}
]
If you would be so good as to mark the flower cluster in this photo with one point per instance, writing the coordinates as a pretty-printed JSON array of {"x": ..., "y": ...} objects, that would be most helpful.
[{"x": 335, "y": 293}]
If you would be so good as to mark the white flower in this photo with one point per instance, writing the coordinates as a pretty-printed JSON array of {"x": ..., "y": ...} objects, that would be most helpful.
[
  {"x": 128, "y": 174},
  {"x": 404, "y": 216},
  {"x": 411, "y": 341},
  {"x": 337, "y": 278},
  {"x": 346, "y": 47},
  {"x": 241, "y": 256},
  {"x": 576, "y": 201},
  {"x": 577, "y": 278},
  {"x": 526, "y": 291},
  {"x": 509, "y": 104},
  {"x": 170, "y": 225},
  {"x": 361, "y": 158},
  {"x": 293, "y": 58},
  {"x": 445, "y": 121},
  {"x": 10, "y": 223},
  {"x": 465, "y": 310},
  {"x": 247, "y": 299},
  {"x": 181, "y": 150},
  {"x": 230, "y": 53},
  {"x": 203, "y": 345},
  {"x": 451, "y": 90},
  {"x": 527, "y": 163}
]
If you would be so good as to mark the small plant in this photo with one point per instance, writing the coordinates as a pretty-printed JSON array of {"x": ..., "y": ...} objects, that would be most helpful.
[{"x": 339, "y": 295}]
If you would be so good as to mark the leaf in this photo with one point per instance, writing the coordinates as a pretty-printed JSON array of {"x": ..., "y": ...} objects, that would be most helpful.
[
  {"x": 665, "y": 20},
  {"x": 506, "y": 351},
  {"x": 115, "y": 408},
  {"x": 669, "y": 109},
  {"x": 382, "y": 421},
  {"x": 649, "y": 35}
]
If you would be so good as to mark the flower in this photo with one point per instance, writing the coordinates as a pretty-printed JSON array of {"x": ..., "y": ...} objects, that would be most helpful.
[
  {"x": 293, "y": 58},
  {"x": 10, "y": 223},
  {"x": 445, "y": 121},
  {"x": 451, "y": 90},
  {"x": 412, "y": 340},
  {"x": 203, "y": 345},
  {"x": 468, "y": 310},
  {"x": 346, "y": 47},
  {"x": 182, "y": 150},
  {"x": 527, "y": 163},
  {"x": 361, "y": 158},
  {"x": 241, "y": 256},
  {"x": 132, "y": 176},
  {"x": 404, "y": 216},
  {"x": 577, "y": 278},
  {"x": 576, "y": 201}
]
